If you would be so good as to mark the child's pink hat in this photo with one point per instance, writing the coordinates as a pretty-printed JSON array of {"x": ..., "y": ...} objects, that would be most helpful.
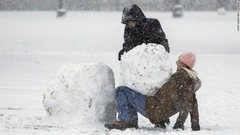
[{"x": 188, "y": 58}]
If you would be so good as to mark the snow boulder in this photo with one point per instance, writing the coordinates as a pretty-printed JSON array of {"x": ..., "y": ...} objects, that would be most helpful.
[
  {"x": 81, "y": 93},
  {"x": 145, "y": 68}
]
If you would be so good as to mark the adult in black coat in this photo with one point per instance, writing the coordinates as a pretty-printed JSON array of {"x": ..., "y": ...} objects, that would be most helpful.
[{"x": 139, "y": 30}]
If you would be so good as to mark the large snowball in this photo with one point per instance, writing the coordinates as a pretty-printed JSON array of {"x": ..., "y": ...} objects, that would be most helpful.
[
  {"x": 82, "y": 93},
  {"x": 145, "y": 68}
]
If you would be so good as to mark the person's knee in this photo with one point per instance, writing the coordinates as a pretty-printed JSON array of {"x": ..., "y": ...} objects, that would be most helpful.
[{"x": 121, "y": 89}]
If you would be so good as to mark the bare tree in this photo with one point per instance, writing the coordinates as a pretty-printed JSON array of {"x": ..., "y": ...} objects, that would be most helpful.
[
  {"x": 61, "y": 11},
  {"x": 177, "y": 9}
]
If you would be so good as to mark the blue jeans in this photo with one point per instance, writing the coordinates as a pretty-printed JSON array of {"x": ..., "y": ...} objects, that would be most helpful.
[{"x": 129, "y": 102}]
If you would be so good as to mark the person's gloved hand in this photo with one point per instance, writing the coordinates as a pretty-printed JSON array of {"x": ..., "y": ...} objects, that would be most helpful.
[
  {"x": 121, "y": 52},
  {"x": 165, "y": 45},
  {"x": 178, "y": 125}
]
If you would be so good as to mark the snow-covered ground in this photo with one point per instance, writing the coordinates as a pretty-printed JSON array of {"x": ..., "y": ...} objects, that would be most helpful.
[{"x": 34, "y": 45}]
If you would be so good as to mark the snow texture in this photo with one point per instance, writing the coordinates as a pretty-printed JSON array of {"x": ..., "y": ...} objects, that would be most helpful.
[
  {"x": 145, "y": 68},
  {"x": 81, "y": 91},
  {"x": 35, "y": 44}
]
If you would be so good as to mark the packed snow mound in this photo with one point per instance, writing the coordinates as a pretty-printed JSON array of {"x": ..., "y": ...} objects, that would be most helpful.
[
  {"x": 145, "y": 68},
  {"x": 81, "y": 93}
]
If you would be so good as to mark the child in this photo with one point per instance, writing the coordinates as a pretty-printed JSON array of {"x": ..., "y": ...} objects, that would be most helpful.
[{"x": 176, "y": 95}]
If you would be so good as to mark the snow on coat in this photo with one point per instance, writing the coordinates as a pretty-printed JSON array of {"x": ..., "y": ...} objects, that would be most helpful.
[
  {"x": 147, "y": 30},
  {"x": 176, "y": 95}
]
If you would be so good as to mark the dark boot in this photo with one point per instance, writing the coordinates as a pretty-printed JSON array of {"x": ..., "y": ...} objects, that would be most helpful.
[
  {"x": 122, "y": 125},
  {"x": 167, "y": 121},
  {"x": 195, "y": 127},
  {"x": 178, "y": 125},
  {"x": 161, "y": 124}
]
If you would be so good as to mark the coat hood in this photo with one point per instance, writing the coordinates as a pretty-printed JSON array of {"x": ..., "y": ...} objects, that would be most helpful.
[{"x": 132, "y": 13}]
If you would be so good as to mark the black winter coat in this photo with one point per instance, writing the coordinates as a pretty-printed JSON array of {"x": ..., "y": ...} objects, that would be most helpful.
[{"x": 147, "y": 30}]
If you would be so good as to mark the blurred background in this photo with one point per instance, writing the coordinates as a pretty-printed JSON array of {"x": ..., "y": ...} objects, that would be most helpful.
[{"x": 116, "y": 5}]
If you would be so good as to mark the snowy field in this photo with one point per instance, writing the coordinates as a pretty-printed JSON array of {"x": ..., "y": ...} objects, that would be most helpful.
[{"x": 34, "y": 45}]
